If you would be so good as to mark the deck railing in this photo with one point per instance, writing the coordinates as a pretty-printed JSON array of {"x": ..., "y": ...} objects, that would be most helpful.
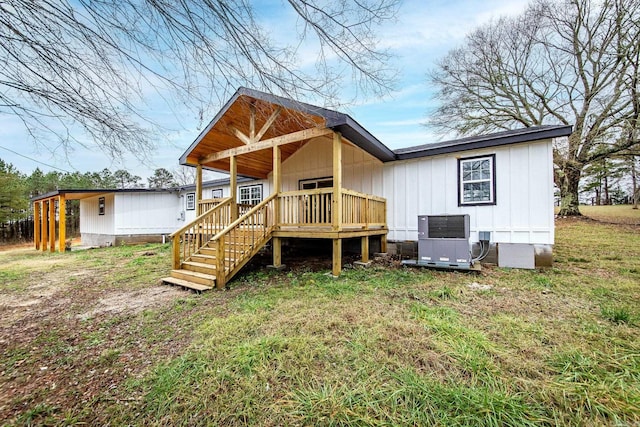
[
  {"x": 190, "y": 238},
  {"x": 363, "y": 210},
  {"x": 240, "y": 240},
  {"x": 306, "y": 207},
  {"x": 313, "y": 208},
  {"x": 208, "y": 204}
]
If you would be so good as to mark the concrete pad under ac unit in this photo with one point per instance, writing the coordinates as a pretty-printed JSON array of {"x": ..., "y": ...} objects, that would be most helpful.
[{"x": 516, "y": 255}]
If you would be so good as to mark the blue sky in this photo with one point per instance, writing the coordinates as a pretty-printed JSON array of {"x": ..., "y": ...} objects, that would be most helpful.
[{"x": 424, "y": 32}]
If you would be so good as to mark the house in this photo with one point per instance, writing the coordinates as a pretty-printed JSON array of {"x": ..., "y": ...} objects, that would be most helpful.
[
  {"x": 320, "y": 175},
  {"x": 111, "y": 217},
  {"x": 297, "y": 171}
]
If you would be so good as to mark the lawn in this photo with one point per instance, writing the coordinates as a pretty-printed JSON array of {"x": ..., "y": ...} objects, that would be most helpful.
[{"x": 90, "y": 337}]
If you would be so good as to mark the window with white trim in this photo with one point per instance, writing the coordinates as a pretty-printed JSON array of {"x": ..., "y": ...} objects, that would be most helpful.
[
  {"x": 191, "y": 201},
  {"x": 477, "y": 181},
  {"x": 216, "y": 193},
  {"x": 250, "y": 194}
]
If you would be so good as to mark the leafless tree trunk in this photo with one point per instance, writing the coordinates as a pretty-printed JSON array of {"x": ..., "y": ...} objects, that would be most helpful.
[{"x": 561, "y": 62}]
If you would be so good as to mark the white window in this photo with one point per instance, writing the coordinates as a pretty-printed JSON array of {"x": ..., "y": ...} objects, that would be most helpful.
[
  {"x": 191, "y": 201},
  {"x": 477, "y": 185},
  {"x": 251, "y": 194},
  {"x": 311, "y": 184},
  {"x": 216, "y": 194},
  {"x": 101, "y": 205}
]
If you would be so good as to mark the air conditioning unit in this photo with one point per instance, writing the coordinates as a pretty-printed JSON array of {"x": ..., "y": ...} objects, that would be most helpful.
[{"x": 443, "y": 241}]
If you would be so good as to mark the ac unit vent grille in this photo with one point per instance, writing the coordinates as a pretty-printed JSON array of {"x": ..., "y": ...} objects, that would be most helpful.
[{"x": 447, "y": 227}]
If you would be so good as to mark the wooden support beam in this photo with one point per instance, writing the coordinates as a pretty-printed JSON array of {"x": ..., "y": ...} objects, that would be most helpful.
[
  {"x": 44, "y": 238},
  {"x": 336, "y": 200},
  {"x": 252, "y": 123},
  {"x": 267, "y": 143},
  {"x": 240, "y": 135},
  {"x": 277, "y": 184},
  {"x": 233, "y": 186},
  {"x": 221, "y": 279},
  {"x": 62, "y": 223},
  {"x": 383, "y": 243},
  {"x": 276, "y": 244},
  {"x": 52, "y": 225},
  {"x": 198, "y": 189},
  {"x": 364, "y": 246},
  {"x": 265, "y": 127},
  {"x": 337, "y": 257},
  {"x": 36, "y": 224}
]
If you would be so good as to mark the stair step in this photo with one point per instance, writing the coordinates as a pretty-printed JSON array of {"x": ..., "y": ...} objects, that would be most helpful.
[
  {"x": 203, "y": 258},
  {"x": 185, "y": 284},
  {"x": 199, "y": 267},
  {"x": 194, "y": 276}
]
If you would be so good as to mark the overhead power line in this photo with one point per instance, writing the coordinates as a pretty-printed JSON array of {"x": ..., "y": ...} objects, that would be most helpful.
[{"x": 34, "y": 160}]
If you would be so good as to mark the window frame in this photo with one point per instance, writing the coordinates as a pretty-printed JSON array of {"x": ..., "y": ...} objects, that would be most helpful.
[
  {"x": 215, "y": 191},
  {"x": 190, "y": 205},
  {"x": 492, "y": 181},
  {"x": 102, "y": 203},
  {"x": 249, "y": 187},
  {"x": 315, "y": 181}
]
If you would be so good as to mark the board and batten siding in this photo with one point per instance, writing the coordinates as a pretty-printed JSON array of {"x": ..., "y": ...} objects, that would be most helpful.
[
  {"x": 360, "y": 171},
  {"x": 523, "y": 212},
  {"x": 90, "y": 220},
  {"x": 146, "y": 213}
]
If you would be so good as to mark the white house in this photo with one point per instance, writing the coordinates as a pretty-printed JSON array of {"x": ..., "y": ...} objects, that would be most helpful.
[{"x": 315, "y": 162}]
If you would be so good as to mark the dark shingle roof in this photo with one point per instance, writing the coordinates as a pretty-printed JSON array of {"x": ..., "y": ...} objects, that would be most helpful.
[{"x": 483, "y": 141}]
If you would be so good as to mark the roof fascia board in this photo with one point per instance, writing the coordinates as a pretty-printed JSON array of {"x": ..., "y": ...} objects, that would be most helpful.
[{"x": 539, "y": 134}]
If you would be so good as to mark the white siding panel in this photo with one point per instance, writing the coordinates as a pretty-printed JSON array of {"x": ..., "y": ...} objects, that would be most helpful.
[
  {"x": 429, "y": 186},
  {"x": 146, "y": 213},
  {"x": 360, "y": 171},
  {"x": 91, "y": 221}
]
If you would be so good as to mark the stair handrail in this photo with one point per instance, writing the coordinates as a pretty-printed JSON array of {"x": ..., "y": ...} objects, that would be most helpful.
[
  {"x": 198, "y": 242},
  {"x": 244, "y": 216},
  {"x": 222, "y": 273}
]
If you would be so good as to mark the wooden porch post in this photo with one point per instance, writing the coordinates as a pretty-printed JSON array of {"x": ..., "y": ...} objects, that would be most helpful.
[
  {"x": 336, "y": 202},
  {"x": 233, "y": 186},
  {"x": 44, "y": 239},
  {"x": 36, "y": 224},
  {"x": 62, "y": 223},
  {"x": 198, "y": 189},
  {"x": 52, "y": 225},
  {"x": 364, "y": 246},
  {"x": 337, "y": 257},
  {"x": 277, "y": 188}
]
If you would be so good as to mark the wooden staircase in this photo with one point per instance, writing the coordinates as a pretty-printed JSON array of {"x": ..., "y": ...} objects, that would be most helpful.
[{"x": 207, "y": 252}]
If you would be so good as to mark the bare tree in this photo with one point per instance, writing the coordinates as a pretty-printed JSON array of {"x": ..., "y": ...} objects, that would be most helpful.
[
  {"x": 561, "y": 62},
  {"x": 90, "y": 62}
]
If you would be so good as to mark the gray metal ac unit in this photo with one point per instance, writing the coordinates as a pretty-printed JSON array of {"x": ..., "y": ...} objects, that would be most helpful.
[{"x": 443, "y": 241}]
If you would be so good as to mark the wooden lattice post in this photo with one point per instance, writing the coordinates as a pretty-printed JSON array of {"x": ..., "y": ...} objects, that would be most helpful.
[
  {"x": 36, "y": 224},
  {"x": 62, "y": 223}
]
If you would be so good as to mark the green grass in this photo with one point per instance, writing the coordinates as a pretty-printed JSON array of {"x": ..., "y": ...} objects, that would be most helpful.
[{"x": 559, "y": 346}]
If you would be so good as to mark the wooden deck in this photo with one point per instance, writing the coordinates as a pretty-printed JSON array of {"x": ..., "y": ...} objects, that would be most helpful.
[{"x": 210, "y": 250}]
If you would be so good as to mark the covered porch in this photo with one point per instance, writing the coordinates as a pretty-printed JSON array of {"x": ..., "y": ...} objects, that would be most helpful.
[{"x": 253, "y": 135}]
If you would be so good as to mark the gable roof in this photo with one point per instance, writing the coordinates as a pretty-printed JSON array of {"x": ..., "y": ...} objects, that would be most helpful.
[
  {"x": 294, "y": 116},
  {"x": 297, "y": 115}
]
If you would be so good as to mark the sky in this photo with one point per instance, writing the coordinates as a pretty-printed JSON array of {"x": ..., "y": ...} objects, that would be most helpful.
[{"x": 424, "y": 31}]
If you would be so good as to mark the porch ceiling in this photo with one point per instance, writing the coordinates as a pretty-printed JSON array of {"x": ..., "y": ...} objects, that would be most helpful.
[{"x": 235, "y": 117}]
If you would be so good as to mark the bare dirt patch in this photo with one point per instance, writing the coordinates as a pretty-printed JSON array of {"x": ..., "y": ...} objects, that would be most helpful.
[{"x": 133, "y": 302}]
